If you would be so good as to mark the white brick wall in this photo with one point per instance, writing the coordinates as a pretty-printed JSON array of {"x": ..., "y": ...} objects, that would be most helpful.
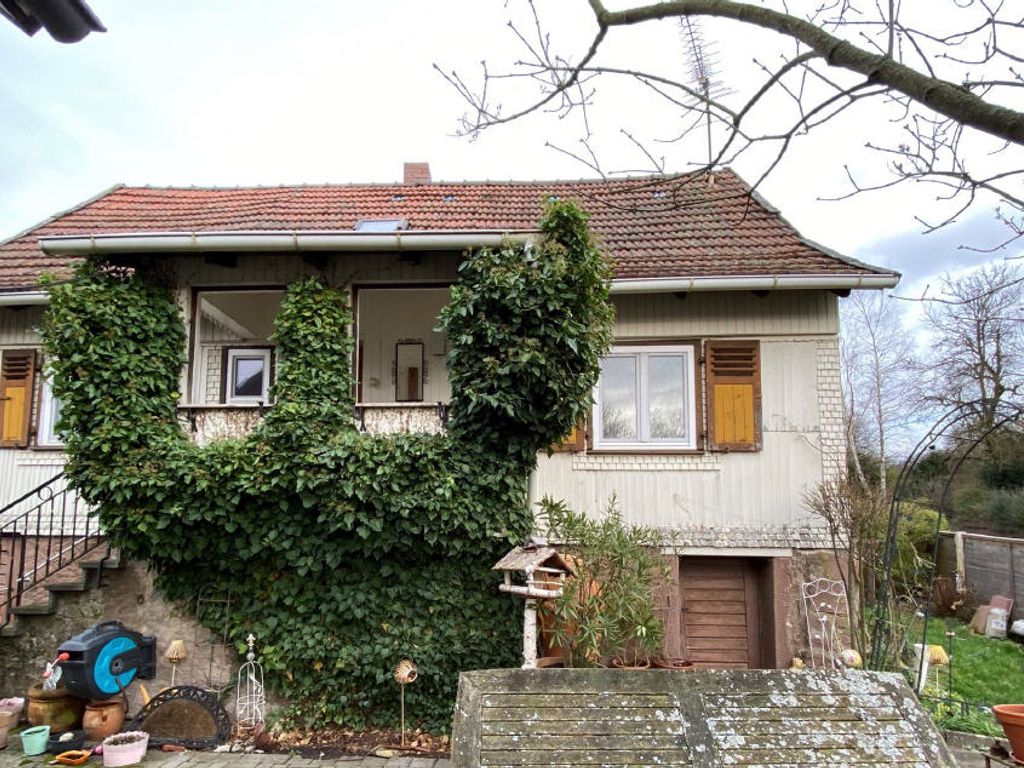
[
  {"x": 707, "y": 462},
  {"x": 213, "y": 368},
  {"x": 725, "y": 537},
  {"x": 830, "y": 408}
]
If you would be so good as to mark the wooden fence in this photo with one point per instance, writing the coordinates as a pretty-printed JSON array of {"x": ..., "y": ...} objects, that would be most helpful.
[{"x": 989, "y": 565}]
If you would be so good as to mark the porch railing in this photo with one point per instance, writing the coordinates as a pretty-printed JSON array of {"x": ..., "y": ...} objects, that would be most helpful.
[{"x": 42, "y": 532}]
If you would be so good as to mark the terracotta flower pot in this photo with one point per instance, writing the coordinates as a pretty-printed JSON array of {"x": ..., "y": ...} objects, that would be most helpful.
[
  {"x": 102, "y": 719},
  {"x": 7, "y": 721},
  {"x": 671, "y": 662},
  {"x": 1011, "y": 717},
  {"x": 57, "y": 708},
  {"x": 550, "y": 662},
  {"x": 619, "y": 663}
]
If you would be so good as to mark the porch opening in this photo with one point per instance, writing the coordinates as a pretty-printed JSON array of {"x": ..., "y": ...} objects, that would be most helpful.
[
  {"x": 233, "y": 358},
  {"x": 400, "y": 358}
]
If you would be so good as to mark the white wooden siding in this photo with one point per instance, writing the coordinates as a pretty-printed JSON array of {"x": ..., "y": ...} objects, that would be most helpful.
[
  {"x": 19, "y": 326},
  {"x": 729, "y": 313},
  {"x": 757, "y": 493}
]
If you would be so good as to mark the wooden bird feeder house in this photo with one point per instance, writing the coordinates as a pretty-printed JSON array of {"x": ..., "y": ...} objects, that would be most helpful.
[{"x": 545, "y": 571}]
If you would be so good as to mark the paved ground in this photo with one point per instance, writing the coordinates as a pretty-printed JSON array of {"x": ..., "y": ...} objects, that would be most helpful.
[{"x": 12, "y": 758}]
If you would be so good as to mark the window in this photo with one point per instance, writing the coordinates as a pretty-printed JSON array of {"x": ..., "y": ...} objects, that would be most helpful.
[
  {"x": 646, "y": 398},
  {"x": 49, "y": 415},
  {"x": 247, "y": 375},
  {"x": 381, "y": 225}
]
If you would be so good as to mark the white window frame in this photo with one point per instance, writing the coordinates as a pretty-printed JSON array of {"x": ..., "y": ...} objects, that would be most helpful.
[
  {"x": 642, "y": 353},
  {"x": 233, "y": 353},
  {"x": 46, "y": 434}
]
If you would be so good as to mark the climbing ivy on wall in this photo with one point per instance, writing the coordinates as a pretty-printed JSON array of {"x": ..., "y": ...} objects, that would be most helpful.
[{"x": 344, "y": 552}]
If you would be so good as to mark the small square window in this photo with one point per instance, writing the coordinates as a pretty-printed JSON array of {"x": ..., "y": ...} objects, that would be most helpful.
[{"x": 248, "y": 376}]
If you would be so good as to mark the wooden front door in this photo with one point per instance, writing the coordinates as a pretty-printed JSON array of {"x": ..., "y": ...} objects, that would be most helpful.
[{"x": 719, "y": 621}]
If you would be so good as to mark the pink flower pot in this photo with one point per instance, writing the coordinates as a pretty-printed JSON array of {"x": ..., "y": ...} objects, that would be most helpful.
[
  {"x": 116, "y": 754},
  {"x": 15, "y": 704}
]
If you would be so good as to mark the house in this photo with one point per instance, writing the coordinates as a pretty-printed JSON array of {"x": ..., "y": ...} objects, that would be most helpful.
[{"x": 719, "y": 405}]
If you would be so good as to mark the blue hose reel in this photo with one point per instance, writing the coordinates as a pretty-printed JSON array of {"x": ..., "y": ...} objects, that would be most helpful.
[{"x": 105, "y": 659}]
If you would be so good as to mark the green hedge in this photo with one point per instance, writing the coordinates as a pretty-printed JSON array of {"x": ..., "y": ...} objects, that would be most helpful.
[{"x": 344, "y": 552}]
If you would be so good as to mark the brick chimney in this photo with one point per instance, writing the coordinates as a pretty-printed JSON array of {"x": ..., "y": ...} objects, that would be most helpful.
[{"x": 417, "y": 173}]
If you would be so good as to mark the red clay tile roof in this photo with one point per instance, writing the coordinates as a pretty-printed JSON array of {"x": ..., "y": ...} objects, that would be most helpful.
[{"x": 649, "y": 227}]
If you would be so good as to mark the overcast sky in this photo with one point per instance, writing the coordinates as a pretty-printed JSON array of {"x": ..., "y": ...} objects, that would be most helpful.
[{"x": 252, "y": 92}]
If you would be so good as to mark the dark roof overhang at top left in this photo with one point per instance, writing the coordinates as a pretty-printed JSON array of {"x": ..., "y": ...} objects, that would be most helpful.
[{"x": 67, "y": 21}]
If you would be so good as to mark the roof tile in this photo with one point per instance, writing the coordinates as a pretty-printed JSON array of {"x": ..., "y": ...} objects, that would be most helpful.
[{"x": 650, "y": 227}]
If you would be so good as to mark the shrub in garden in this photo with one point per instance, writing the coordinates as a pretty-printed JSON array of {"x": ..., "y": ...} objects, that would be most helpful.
[{"x": 606, "y": 611}]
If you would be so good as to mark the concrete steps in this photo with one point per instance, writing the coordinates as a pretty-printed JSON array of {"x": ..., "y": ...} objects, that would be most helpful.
[{"x": 43, "y": 599}]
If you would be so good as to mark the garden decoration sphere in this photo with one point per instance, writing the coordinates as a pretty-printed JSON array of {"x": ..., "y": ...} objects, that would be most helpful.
[
  {"x": 851, "y": 659},
  {"x": 406, "y": 672}
]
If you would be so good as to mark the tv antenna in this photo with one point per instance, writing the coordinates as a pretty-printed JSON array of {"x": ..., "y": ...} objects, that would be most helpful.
[{"x": 703, "y": 62}]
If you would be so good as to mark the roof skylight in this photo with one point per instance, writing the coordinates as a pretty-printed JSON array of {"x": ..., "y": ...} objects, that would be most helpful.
[{"x": 381, "y": 225}]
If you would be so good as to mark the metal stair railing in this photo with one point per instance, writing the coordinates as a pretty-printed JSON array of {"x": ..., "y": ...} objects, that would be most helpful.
[{"x": 41, "y": 532}]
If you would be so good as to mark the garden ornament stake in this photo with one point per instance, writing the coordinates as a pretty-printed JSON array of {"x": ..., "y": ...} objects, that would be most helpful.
[
  {"x": 405, "y": 673},
  {"x": 251, "y": 700},
  {"x": 175, "y": 655}
]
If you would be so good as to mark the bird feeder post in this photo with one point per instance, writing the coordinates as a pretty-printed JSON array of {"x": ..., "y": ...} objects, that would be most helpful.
[
  {"x": 530, "y": 628},
  {"x": 531, "y": 560}
]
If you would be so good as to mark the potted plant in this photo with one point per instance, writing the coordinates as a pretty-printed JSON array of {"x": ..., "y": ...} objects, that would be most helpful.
[
  {"x": 605, "y": 614},
  {"x": 7, "y": 721},
  {"x": 126, "y": 748},
  {"x": 1011, "y": 717},
  {"x": 671, "y": 662}
]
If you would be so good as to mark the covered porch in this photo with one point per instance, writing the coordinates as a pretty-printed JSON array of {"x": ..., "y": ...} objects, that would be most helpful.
[{"x": 398, "y": 361}]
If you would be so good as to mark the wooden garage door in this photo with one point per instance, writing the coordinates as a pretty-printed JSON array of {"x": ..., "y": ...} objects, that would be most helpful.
[{"x": 719, "y": 612}]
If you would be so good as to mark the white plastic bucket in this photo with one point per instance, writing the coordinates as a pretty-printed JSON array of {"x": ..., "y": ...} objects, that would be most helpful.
[{"x": 921, "y": 666}]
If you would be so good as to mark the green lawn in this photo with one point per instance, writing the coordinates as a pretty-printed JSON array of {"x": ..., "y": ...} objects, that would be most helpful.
[{"x": 985, "y": 671}]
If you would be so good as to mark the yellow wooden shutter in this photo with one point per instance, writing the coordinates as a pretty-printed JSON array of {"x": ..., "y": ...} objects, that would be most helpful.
[
  {"x": 17, "y": 373},
  {"x": 574, "y": 441},
  {"x": 734, "y": 395}
]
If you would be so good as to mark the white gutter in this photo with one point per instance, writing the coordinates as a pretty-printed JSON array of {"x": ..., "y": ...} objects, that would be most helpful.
[
  {"x": 178, "y": 242},
  {"x": 24, "y": 298},
  {"x": 264, "y": 241},
  {"x": 753, "y": 283}
]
